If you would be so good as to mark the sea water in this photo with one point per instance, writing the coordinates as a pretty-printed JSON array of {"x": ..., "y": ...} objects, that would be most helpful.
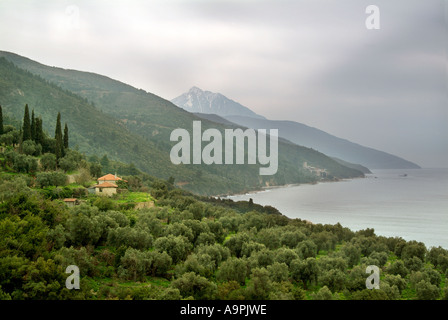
[{"x": 412, "y": 204}]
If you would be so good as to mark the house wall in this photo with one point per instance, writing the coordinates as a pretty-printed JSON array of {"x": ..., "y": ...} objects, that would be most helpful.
[
  {"x": 105, "y": 191},
  {"x": 110, "y": 181}
]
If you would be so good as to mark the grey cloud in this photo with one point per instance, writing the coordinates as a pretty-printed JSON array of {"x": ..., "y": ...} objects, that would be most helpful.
[{"x": 311, "y": 61}]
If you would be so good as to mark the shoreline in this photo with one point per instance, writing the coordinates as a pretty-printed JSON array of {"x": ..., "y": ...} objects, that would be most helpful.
[
  {"x": 371, "y": 175},
  {"x": 265, "y": 189},
  {"x": 402, "y": 227}
]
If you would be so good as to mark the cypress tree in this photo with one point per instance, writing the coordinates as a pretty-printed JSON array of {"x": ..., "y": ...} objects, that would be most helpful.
[
  {"x": 39, "y": 132},
  {"x": 26, "y": 134},
  {"x": 33, "y": 126},
  {"x": 59, "y": 148},
  {"x": 66, "y": 136},
  {"x": 1, "y": 120},
  {"x": 20, "y": 135}
]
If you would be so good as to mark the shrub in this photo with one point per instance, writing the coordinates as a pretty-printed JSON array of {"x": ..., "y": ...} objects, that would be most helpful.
[
  {"x": 131, "y": 237},
  {"x": 54, "y": 178},
  {"x": 233, "y": 269},
  {"x": 195, "y": 286},
  {"x": 426, "y": 291},
  {"x": 177, "y": 247},
  {"x": 30, "y": 148},
  {"x": 24, "y": 163},
  {"x": 48, "y": 161}
]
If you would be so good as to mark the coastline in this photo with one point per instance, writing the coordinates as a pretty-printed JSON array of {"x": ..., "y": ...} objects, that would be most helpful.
[
  {"x": 268, "y": 188},
  {"x": 372, "y": 175},
  {"x": 410, "y": 206}
]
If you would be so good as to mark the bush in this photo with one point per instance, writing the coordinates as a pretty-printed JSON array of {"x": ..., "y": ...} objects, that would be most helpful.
[
  {"x": 426, "y": 291},
  {"x": 205, "y": 238},
  {"x": 177, "y": 247},
  {"x": 233, "y": 269},
  {"x": 54, "y": 178},
  {"x": 48, "y": 161},
  {"x": 200, "y": 264},
  {"x": 217, "y": 252},
  {"x": 307, "y": 249},
  {"x": 334, "y": 279},
  {"x": 236, "y": 242},
  {"x": 80, "y": 257},
  {"x": 30, "y": 148},
  {"x": 83, "y": 177},
  {"x": 10, "y": 138},
  {"x": 262, "y": 258},
  {"x": 195, "y": 286},
  {"x": 305, "y": 271},
  {"x": 414, "y": 249},
  {"x": 148, "y": 221},
  {"x": 71, "y": 160},
  {"x": 285, "y": 255},
  {"x": 398, "y": 268},
  {"x": 260, "y": 285},
  {"x": 278, "y": 272},
  {"x": 131, "y": 237},
  {"x": 324, "y": 294},
  {"x": 83, "y": 227},
  {"x": 67, "y": 164},
  {"x": 24, "y": 163},
  {"x": 397, "y": 281},
  {"x": 292, "y": 238},
  {"x": 136, "y": 264},
  {"x": 230, "y": 291},
  {"x": 104, "y": 204},
  {"x": 56, "y": 236},
  {"x": 11, "y": 188}
]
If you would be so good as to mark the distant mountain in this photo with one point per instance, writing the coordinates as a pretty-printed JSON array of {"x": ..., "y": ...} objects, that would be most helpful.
[
  {"x": 106, "y": 116},
  {"x": 328, "y": 144},
  {"x": 218, "y": 119},
  {"x": 199, "y": 101},
  {"x": 218, "y": 108},
  {"x": 359, "y": 167},
  {"x": 214, "y": 118}
]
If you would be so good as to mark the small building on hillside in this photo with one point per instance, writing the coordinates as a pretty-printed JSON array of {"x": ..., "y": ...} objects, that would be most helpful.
[
  {"x": 71, "y": 202},
  {"x": 107, "y": 185},
  {"x": 106, "y": 189}
]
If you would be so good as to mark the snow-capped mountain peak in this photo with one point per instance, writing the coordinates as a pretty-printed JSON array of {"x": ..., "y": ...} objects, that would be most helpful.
[{"x": 200, "y": 101}]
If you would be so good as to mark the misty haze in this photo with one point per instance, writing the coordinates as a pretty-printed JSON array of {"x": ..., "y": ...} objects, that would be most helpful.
[{"x": 223, "y": 150}]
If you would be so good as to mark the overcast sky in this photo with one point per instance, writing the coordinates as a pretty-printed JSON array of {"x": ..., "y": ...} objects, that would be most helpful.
[{"x": 311, "y": 61}]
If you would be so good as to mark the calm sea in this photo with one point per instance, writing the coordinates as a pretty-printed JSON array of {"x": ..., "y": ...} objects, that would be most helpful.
[{"x": 412, "y": 204}]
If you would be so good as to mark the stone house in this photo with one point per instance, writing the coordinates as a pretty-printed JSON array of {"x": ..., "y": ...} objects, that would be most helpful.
[
  {"x": 107, "y": 185},
  {"x": 106, "y": 189}
]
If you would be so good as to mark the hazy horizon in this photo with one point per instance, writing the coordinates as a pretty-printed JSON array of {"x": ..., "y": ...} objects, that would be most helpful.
[{"x": 312, "y": 62}]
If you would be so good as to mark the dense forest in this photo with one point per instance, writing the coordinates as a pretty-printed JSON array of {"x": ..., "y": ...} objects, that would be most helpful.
[{"x": 183, "y": 246}]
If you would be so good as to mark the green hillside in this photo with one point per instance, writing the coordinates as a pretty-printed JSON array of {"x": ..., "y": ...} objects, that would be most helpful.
[
  {"x": 91, "y": 130},
  {"x": 133, "y": 126},
  {"x": 148, "y": 240},
  {"x": 152, "y": 241}
]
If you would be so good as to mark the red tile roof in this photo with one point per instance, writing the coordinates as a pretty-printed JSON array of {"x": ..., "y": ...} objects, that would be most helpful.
[
  {"x": 109, "y": 177},
  {"x": 106, "y": 185}
]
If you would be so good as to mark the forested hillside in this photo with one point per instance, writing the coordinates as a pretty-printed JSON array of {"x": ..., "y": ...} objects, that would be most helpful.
[
  {"x": 110, "y": 118},
  {"x": 181, "y": 246}
]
